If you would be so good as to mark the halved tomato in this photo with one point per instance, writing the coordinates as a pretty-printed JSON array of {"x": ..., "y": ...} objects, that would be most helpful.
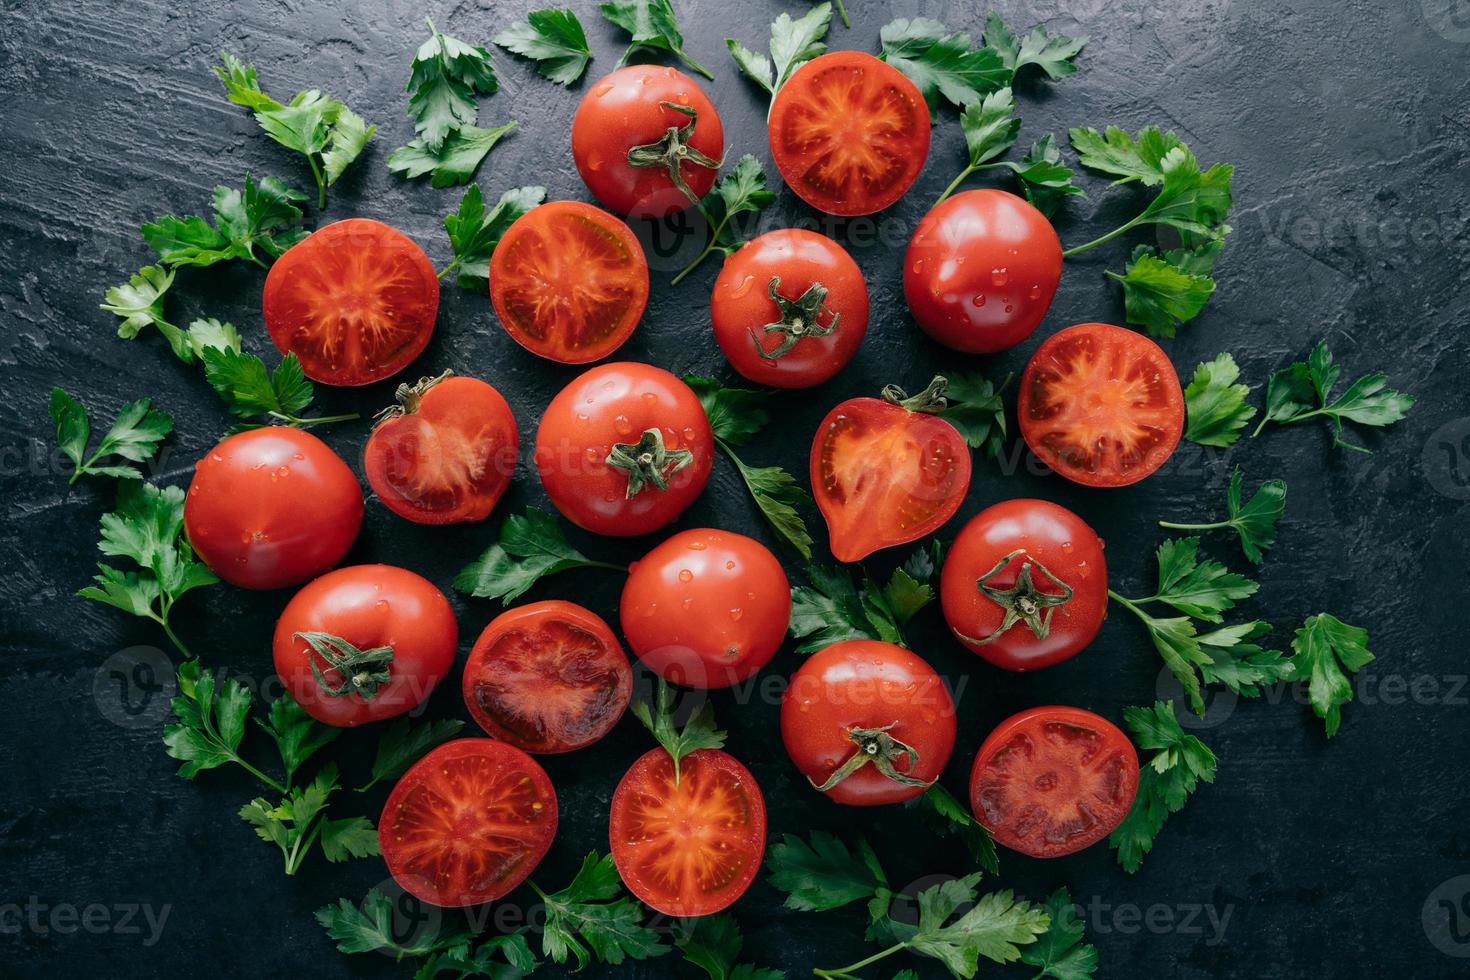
[
  {"x": 355, "y": 301},
  {"x": 1101, "y": 405},
  {"x": 547, "y": 677},
  {"x": 1051, "y": 781},
  {"x": 886, "y": 471},
  {"x": 445, "y": 453},
  {"x": 849, "y": 133},
  {"x": 692, "y": 846},
  {"x": 569, "y": 282},
  {"x": 468, "y": 822}
]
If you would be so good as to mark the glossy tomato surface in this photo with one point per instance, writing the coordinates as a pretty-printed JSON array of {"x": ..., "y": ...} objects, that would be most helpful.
[
  {"x": 272, "y": 507},
  {"x": 624, "y": 406},
  {"x": 547, "y": 677},
  {"x": 569, "y": 282},
  {"x": 371, "y": 607},
  {"x": 883, "y": 475},
  {"x": 445, "y": 453},
  {"x": 631, "y": 111},
  {"x": 468, "y": 822},
  {"x": 690, "y": 847},
  {"x": 1051, "y": 781},
  {"x": 849, "y": 133},
  {"x": 1101, "y": 405},
  {"x": 981, "y": 270},
  {"x": 870, "y": 701},
  {"x": 355, "y": 301},
  {"x": 812, "y": 331},
  {"x": 706, "y": 608},
  {"x": 1033, "y": 567}
]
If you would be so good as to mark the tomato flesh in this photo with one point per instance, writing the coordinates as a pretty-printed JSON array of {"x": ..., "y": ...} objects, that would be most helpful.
[
  {"x": 547, "y": 677},
  {"x": 355, "y": 302},
  {"x": 849, "y": 133},
  {"x": 569, "y": 282},
  {"x": 1051, "y": 781},
  {"x": 468, "y": 822},
  {"x": 1101, "y": 405},
  {"x": 691, "y": 847}
]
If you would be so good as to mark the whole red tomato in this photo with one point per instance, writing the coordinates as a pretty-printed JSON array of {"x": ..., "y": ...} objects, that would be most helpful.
[
  {"x": 868, "y": 723},
  {"x": 789, "y": 308},
  {"x": 887, "y": 471},
  {"x": 706, "y": 608},
  {"x": 364, "y": 643},
  {"x": 272, "y": 507},
  {"x": 1025, "y": 584},
  {"x": 624, "y": 448},
  {"x": 355, "y": 301},
  {"x": 981, "y": 270},
  {"x": 647, "y": 141},
  {"x": 445, "y": 453}
]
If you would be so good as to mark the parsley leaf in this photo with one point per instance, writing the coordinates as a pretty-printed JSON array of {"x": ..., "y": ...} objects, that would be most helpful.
[
  {"x": 793, "y": 43},
  {"x": 474, "y": 233},
  {"x": 1302, "y": 390},
  {"x": 824, "y": 874},
  {"x": 832, "y": 608},
  {"x": 298, "y": 736},
  {"x": 263, "y": 214},
  {"x": 530, "y": 548},
  {"x": 1052, "y": 55},
  {"x": 1255, "y": 520},
  {"x": 1326, "y": 649},
  {"x": 650, "y": 24},
  {"x": 976, "y": 409},
  {"x": 1158, "y": 294},
  {"x": 943, "y": 814},
  {"x": 741, "y": 191},
  {"x": 1060, "y": 951},
  {"x": 713, "y": 944},
  {"x": 139, "y": 302},
  {"x": 370, "y": 928},
  {"x": 941, "y": 62},
  {"x": 1122, "y": 156},
  {"x": 443, "y": 80},
  {"x": 299, "y": 820},
  {"x": 699, "y": 731},
  {"x": 134, "y": 435},
  {"x": 210, "y": 723},
  {"x": 554, "y": 39},
  {"x": 1215, "y": 404},
  {"x": 1165, "y": 781},
  {"x": 587, "y": 919},
  {"x": 990, "y": 127},
  {"x": 404, "y": 743},
  {"x": 455, "y": 162}
]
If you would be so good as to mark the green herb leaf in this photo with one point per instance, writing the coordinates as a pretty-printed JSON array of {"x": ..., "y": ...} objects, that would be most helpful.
[
  {"x": 370, "y": 928},
  {"x": 457, "y": 159},
  {"x": 650, "y": 24},
  {"x": 793, "y": 43},
  {"x": 1165, "y": 782},
  {"x": 139, "y": 302},
  {"x": 443, "y": 81},
  {"x": 833, "y": 609},
  {"x": 994, "y": 927},
  {"x": 264, "y": 215},
  {"x": 249, "y": 388},
  {"x": 1193, "y": 201},
  {"x": 530, "y": 548},
  {"x": 699, "y": 731},
  {"x": 736, "y": 415},
  {"x": 1202, "y": 589},
  {"x": 1052, "y": 55},
  {"x": 943, "y": 814},
  {"x": 473, "y": 233},
  {"x": 1159, "y": 295},
  {"x": 976, "y": 409},
  {"x": 990, "y": 126},
  {"x": 1123, "y": 156},
  {"x": 554, "y": 39},
  {"x": 1060, "y": 951},
  {"x": 349, "y": 837},
  {"x": 299, "y": 819},
  {"x": 211, "y": 721},
  {"x": 741, "y": 191},
  {"x": 1301, "y": 391},
  {"x": 1215, "y": 404},
  {"x": 1326, "y": 650},
  {"x": 241, "y": 85},
  {"x": 212, "y": 333},
  {"x": 941, "y": 62},
  {"x": 1242, "y": 666},
  {"x": 298, "y": 736},
  {"x": 1255, "y": 520},
  {"x": 825, "y": 874},
  {"x": 589, "y": 919},
  {"x": 713, "y": 944},
  {"x": 134, "y": 435},
  {"x": 404, "y": 743},
  {"x": 349, "y": 137}
]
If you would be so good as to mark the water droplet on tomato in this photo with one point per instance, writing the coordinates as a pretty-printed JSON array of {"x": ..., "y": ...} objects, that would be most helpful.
[
  {"x": 742, "y": 287},
  {"x": 978, "y": 300},
  {"x": 1000, "y": 276},
  {"x": 697, "y": 546},
  {"x": 650, "y": 398},
  {"x": 582, "y": 418},
  {"x": 283, "y": 471},
  {"x": 1067, "y": 547},
  {"x": 736, "y": 613},
  {"x": 730, "y": 565},
  {"x": 1083, "y": 569},
  {"x": 688, "y": 602},
  {"x": 622, "y": 424},
  {"x": 1009, "y": 307},
  {"x": 685, "y": 575},
  {"x": 602, "y": 90},
  {"x": 1034, "y": 292},
  {"x": 381, "y": 605}
]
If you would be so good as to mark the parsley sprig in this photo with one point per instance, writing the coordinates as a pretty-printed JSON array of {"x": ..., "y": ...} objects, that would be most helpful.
[
  {"x": 1215, "y": 404},
  {"x": 404, "y": 743},
  {"x": 263, "y": 215},
  {"x": 1165, "y": 781},
  {"x": 210, "y": 714},
  {"x": 1254, "y": 519},
  {"x": 589, "y": 918},
  {"x": 530, "y": 548},
  {"x": 698, "y": 731},
  {"x": 248, "y": 388},
  {"x": 832, "y": 608},
  {"x": 794, "y": 42},
  {"x": 369, "y": 928},
  {"x": 1060, "y": 951},
  {"x": 650, "y": 24},
  {"x": 713, "y": 943},
  {"x": 552, "y": 38},
  {"x": 474, "y": 232},
  {"x": 942, "y": 813},
  {"x": 973, "y": 405},
  {"x": 741, "y": 191},
  {"x": 300, "y": 820},
  {"x": 1303, "y": 390},
  {"x": 1326, "y": 650},
  {"x": 134, "y": 435},
  {"x": 991, "y": 126}
]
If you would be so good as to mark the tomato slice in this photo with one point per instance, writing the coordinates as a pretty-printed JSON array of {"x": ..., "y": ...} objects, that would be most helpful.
[
  {"x": 691, "y": 847},
  {"x": 885, "y": 475},
  {"x": 569, "y": 282},
  {"x": 849, "y": 133},
  {"x": 468, "y": 822},
  {"x": 1051, "y": 781},
  {"x": 355, "y": 301},
  {"x": 1101, "y": 405},
  {"x": 547, "y": 677}
]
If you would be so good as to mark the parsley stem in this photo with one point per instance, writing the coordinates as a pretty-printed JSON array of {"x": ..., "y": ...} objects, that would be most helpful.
[
  {"x": 169, "y": 631},
  {"x": 1131, "y": 604},
  {"x": 321, "y": 184},
  {"x": 1105, "y": 238},
  {"x": 450, "y": 268},
  {"x": 842, "y": 12},
  {"x": 258, "y": 775},
  {"x": 848, "y": 970},
  {"x": 1194, "y": 527},
  {"x": 713, "y": 238},
  {"x": 955, "y": 183},
  {"x": 694, "y": 64},
  {"x": 302, "y": 423},
  {"x": 610, "y": 566}
]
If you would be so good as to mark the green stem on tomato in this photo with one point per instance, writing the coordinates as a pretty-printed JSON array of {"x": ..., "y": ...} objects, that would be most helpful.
[{"x": 847, "y": 971}]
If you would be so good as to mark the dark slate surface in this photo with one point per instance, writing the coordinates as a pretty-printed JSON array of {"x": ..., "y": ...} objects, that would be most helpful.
[{"x": 1347, "y": 122}]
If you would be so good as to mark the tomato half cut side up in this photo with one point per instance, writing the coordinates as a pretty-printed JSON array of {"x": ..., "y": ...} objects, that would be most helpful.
[
  {"x": 849, "y": 133},
  {"x": 547, "y": 677},
  {"x": 1050, "y": 781},
  {"x": 690, "y": 847},
  {"x": 569, "y": 282},
  {"x": 468, "y": 822},
  {"x": 355, "y": 301},
  {"x": 1101, "y": 405}
]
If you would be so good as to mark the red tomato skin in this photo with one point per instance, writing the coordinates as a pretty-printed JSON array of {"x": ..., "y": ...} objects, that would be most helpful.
[
  {"x": 866, "y": 684},
  {"x": 542, "y": 221},
  {"x": 272, "y": 507},
  {"x": 1115, "y": 741},
  {"x": 433, "y": 767},
  {"x": 307, "y": 266},
  {"x": 456, "y": 418},
  {"x": 853, "y": 534},
  {"x": 707, "y": 608},
  {"x": 1046, "y": 533},
  {"x": 368, "y": 606},
  {"x": 622, "y": 110},
  {"x": 741, "y": 305},
  {"x": 530, "y": 617},
  {"x": 858, "y": 73},
  {"x": 616, "y": 403},
  {"x": 649, "y": 778},
  {"x": 981, "y": 270}
]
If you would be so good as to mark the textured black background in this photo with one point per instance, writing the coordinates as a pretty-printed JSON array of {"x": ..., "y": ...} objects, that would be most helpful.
[{"x": 1347, "y": 122}]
